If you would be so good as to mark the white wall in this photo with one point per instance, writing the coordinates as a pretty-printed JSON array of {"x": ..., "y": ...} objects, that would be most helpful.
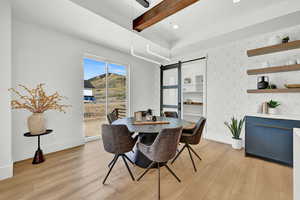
[
  {"x": 6, "y": 169},
  {"x": 41, "y": 55},
  {"x": 227, "y": 81}
]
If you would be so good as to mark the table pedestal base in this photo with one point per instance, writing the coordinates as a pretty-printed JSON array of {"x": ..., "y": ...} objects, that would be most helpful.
[{"x": 38, "y": 157}]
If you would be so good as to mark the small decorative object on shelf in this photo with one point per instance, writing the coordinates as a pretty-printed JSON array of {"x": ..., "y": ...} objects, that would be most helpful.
[
  {"x": 286, "y": 39},
  {"x": 298, "y": 61},
  {"x": 235, "y": 127},
  {"x": 262, "y": 82},
  {"x": 291, "y": 62},
  {"x": 272, "y": 86},
  {"x": 272, "y": 107},
  {"x": 265, "y": 108},
  {"x": 37, "y": 102}
]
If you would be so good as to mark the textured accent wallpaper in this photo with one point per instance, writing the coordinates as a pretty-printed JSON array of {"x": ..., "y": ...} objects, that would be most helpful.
[{"x": 227, "y": 81}]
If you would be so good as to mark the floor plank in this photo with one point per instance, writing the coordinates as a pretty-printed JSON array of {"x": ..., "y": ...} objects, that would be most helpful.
[{"x": 223, "y": 174}]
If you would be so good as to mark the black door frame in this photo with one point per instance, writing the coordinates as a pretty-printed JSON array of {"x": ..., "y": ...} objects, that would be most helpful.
[{"x": 178, "y": 86}]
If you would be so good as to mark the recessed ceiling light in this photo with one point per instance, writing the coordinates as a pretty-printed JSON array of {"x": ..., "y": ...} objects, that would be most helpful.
[
  {"x": 175, "y": 26},
  {"x": 236, "y": 1}
]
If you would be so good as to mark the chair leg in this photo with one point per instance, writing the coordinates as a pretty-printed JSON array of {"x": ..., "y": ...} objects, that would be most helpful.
[
  {"x": 129, "y": 159},
  {"x": 192, "y": 159},
  {"x": 158, "y": 169},
  {"x": 178, "y": 154},
  {"x": 132, "y": 177},
  {"x": 145, "y": 172},
  {"x": 194, "y": 152},
  {"x": 173, "y": 173},
  {"x": 113, "y": 164}
]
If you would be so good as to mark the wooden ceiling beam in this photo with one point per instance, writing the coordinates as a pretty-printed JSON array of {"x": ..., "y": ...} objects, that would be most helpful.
[{"x": 161, "y": 11}]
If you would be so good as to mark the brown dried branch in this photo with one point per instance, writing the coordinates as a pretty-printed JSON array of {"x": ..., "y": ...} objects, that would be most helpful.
[{"x": 37, "y": 101}]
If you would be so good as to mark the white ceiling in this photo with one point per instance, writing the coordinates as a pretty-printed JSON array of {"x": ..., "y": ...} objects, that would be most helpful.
[
  {"x": 206, "y": 23},
  {"x": 199, "y": 21}
]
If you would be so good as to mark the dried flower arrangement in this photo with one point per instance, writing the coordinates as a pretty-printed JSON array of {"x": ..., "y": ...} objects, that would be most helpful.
[{"x": 36, "y": 101}]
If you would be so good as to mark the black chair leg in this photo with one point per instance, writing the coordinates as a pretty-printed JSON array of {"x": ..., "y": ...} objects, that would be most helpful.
[
  {"x": 195, "y": 152},
  {"x": 110, "y": 169},
  {"x": 178, "y": 154},
  {"x": 111, "y": 162},
  {"x": 132, "y": 177},
  {"x": 192, "y": 159},
  {"x": 173, "y": 173},
  {"x": 129, "y": 159},
  {"x": 145, "y": 172}
]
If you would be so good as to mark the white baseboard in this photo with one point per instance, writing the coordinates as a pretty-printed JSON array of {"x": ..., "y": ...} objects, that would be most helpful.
[
  {"x": 92, "y": 138},
  {"x": 6, "y": 171},
  {"x": 50, "y": 148}
]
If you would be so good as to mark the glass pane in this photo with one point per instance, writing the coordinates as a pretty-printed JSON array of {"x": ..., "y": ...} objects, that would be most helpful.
[
  {"x": 170, "y": 77},
  {"x": 170, "y": 96},
  {"x": 117, "y": 89},
  {"x": 94, "y": 96}
]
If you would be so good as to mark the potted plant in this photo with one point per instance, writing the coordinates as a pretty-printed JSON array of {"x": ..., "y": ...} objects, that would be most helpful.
[
  {"x": 37, "y": 102},
  {"x": 235, "y": 127},
  {"x": 272, "y": 105}
]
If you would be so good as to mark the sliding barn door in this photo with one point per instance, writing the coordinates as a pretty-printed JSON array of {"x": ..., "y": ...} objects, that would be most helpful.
[{"x": 170, "y": 91}]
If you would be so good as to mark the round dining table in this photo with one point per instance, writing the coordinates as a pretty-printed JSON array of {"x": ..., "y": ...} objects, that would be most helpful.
[{"x": 147, "y": 134}]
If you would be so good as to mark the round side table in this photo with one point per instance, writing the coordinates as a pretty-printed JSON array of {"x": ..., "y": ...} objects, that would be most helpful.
[{"x": 38, "y": 156}]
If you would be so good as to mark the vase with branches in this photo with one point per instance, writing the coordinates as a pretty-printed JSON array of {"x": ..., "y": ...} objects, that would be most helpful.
[
  {"x": 37, "y": 102},
  {"x": 235, "y": 127}
]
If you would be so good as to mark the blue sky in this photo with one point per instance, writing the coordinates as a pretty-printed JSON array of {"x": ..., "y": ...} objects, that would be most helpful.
[{"x": 94, "y": 68}]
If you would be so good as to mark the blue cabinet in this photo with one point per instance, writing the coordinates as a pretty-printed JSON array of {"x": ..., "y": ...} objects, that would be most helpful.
[{"x": 271, "y": 139}]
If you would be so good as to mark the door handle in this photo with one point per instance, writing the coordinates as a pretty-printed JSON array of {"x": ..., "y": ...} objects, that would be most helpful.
[{"x": 276, "y": 127}]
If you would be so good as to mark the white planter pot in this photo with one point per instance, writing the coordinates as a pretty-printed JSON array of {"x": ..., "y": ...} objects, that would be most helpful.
[
  {"x": 237, "y": 143},
  {"x": 36, "y": 123},
  {"x": 273, "y": 111}
]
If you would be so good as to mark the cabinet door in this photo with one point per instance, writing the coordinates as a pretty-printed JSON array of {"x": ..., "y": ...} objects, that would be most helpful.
[
  {"x": 280, "y": 142},
  {"x": 256, "y": 140}
]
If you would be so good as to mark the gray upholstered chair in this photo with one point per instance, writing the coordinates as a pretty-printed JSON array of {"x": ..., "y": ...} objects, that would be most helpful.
[
  {"x": 171, "y": 114},
  {"x": 113, "y": 116},
  {"x": 161, "y": 151},
  {"x": 192, "y": 138},
  {"x": 118, "y": 141}
]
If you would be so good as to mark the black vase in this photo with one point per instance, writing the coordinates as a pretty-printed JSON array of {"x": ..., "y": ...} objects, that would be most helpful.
[{"x": 262, "y": 82}]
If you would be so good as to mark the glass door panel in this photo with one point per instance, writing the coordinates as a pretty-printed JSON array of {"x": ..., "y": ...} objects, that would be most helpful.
[
  {"x": 170, "y": 77},
  {"x": 94, "y": 96},
  {"x": 116, "y": 89}
]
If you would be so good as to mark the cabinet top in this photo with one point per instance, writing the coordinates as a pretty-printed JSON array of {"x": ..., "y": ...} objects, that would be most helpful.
[{"x": 287, "y": 117}]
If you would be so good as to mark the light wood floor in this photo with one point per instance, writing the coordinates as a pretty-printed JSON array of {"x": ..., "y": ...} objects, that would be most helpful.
[{"x": 224, "y": 174}]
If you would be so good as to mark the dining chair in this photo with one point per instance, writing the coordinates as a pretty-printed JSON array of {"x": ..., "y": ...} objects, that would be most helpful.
[
  {"x": 118, "y": 141},
  {"x": 192, "y": 138},
  {"x": 113, "y": 116},
  {"x": 161, "y": 151},
  {"x": 171, "y": 114}
]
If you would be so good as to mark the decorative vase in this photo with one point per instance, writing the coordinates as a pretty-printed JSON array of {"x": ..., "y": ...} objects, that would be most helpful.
[
  {"x": 272, "y": 111},
  {"x": 236, "y": 143},
  {"x": 36, "y": 123}
]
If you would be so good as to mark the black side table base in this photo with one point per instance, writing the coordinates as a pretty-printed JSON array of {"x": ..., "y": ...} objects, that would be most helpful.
[{"x": 38, "y": 157}]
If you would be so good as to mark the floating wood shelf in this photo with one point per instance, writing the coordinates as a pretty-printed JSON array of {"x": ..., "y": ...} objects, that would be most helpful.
[
  {"x": 266, "y": 70},
  {"x": 281, "y": 90},
  {"x": 193, "y": 103},
  {"x": 274, "y": 48}
]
